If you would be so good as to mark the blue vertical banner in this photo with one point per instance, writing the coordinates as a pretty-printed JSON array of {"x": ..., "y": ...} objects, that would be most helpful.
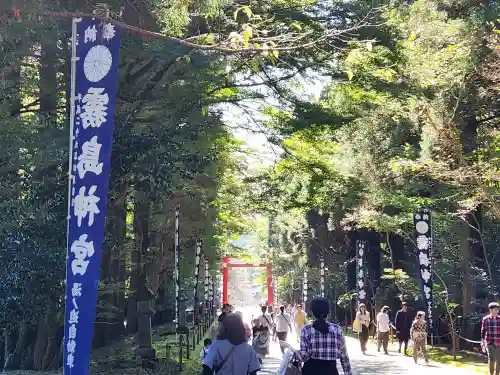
[{"x": 94, "y": 73}]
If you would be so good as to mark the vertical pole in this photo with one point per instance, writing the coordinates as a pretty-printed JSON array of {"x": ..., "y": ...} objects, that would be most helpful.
[
  {"x": 211, "y": 295},
  {"x": 269, "y": 285},
  {"x": 305, "y": 288},
  {"x": 206, "y": 289},
  {"x": 322, "y": 279},
  {"x": 275, "y": 290},
  {"x": 215, "y": 291},
  {"x": 225, "y": 281},
  {"x": 177, "y": 268},
  {"x": 196, "y": 277},
  {"x": 72, "y": 112}
]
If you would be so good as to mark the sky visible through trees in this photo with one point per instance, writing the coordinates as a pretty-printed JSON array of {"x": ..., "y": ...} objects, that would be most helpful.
[{"x": 334, "y": 121}]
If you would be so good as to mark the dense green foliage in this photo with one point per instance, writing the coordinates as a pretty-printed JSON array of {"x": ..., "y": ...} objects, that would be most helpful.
[
  {"x": 168, "y": 150},
  {"x": 409, "y": 119},
  {"x": 406, "y": 116}
]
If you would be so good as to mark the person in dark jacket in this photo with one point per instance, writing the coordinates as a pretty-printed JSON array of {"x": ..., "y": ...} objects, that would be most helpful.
[
  {"x": 403, "y": 325},
  {"x": 226, "y": 309}
]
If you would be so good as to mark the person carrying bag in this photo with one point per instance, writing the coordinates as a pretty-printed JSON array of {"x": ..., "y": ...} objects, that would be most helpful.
[
  {"x": 322, "y": 344},
  {"x": 292, "y": 364},
  {"x": 224, "y": 361},
  {"x": 294, "y": 367},
  {"x": 282, "y": 327},
  {"x": 263, "y": 338},
  {"x": 230, "y": 354}
]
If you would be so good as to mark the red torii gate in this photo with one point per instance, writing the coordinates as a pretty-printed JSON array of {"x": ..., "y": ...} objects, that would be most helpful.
[{"x": 226, "y": 264}]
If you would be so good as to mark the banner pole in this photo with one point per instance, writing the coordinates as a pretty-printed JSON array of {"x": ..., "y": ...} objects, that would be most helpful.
[
  {"x": 322, "y": 279},
  {"x": 72, "y": 110},
  {"x": 177, "y": 271}
]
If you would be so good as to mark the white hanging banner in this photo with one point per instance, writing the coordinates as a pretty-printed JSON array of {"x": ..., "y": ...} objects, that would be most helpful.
[
  {"x": 361, "y": 247},
  {"x": 423, "y": 230}
]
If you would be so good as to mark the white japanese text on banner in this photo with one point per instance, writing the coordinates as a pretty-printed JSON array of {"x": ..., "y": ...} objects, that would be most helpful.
[
  {"x": 95, "y": 68},
  {"x": 422, "y": 222}
]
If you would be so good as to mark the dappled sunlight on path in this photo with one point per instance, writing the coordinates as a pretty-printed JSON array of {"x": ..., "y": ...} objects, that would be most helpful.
[{"x": 373, "y": 363}]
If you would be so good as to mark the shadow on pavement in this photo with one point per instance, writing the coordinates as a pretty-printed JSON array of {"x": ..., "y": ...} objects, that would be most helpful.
[
  {"x": 271, "y": 366},
  {"x": 370, "y": 366}
]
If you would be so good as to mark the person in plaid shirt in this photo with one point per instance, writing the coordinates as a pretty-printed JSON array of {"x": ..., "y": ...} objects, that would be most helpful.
[
  {"x": 322, "y": 343},
  {"x": 490, "y": 335}
]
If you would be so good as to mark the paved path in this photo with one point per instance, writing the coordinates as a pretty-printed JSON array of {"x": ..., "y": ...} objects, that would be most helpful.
[{"x": 373, "y": 363}]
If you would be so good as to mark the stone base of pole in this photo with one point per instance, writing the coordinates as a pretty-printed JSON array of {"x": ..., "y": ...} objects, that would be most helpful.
[{"x": 145, "y": 349}]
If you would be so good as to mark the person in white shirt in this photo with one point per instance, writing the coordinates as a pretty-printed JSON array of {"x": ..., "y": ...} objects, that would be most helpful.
[
  {"x": 363, "y": 319},
  {"x": 282, "y": 327},
  {"x": 383, "y": 323}
]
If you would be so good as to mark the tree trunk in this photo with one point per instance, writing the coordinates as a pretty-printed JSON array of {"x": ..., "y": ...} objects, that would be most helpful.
[
  {"x": 131, "y": 304},
  {"x": 52, "y": 358},
  {"x": 10, "y": 71},
  {"x": 10, "y": 337},
  {"x": 102, "y": 320},
  {"x": 22, "y": 357},
  {"x": 471, "y": 249},
  {"x": 41, "y": 343},
  {"x": 2, "y": 350},
  {"x": 318, "y": 238},
  {"x": 141, "y": 230},
  {"x": 109, "y": 322},
  {"x": 453, "y": 338},
  {"x": 118, "y": 262}
]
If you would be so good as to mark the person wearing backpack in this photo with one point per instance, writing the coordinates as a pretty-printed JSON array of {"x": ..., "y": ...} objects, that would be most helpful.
[
  {"x": 282, "y": 327},
  {"x": 230, "y": 354}
]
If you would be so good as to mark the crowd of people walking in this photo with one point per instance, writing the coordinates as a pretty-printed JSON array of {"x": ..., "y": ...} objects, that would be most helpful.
[
  {"x": 240, "y": 349},
  {"x": 322, "y": 343},
  {"x": 406, "y": 329}
]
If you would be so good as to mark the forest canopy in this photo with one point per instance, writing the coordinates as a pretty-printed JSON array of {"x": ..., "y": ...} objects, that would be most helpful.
[{"x": 375, "y": 108}]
